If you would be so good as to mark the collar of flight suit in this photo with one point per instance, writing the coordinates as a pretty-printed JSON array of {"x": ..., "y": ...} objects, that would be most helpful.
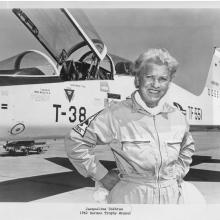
[{"x": 166, "y": 108}]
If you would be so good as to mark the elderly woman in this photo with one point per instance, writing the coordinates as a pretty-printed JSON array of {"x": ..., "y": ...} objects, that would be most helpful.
[{"x": 149, "y": 138}]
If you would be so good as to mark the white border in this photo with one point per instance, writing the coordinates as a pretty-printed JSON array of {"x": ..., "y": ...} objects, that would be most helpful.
[
  {"x": 110, "y": 4},
  {"x": 66, "y": 211}
]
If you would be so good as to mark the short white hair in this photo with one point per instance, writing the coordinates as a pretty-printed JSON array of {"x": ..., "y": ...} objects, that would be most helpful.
[{"x": 156, "y": 56}]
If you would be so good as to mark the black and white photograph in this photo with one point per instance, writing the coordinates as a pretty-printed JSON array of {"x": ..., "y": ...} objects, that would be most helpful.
[{"x": 109, "y": 109}]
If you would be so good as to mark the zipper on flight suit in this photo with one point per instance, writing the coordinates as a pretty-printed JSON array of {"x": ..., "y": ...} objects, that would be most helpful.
[{"x": 158, "y": 176}]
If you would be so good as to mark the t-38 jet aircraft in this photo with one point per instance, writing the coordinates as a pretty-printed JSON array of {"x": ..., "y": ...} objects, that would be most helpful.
[{"x": 44, "y": 94}]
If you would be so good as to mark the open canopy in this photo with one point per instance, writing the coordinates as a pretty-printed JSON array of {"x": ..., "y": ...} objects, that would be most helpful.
[
  {"x": 65, "y": 37},
  {"x": 62, "y": 32}
]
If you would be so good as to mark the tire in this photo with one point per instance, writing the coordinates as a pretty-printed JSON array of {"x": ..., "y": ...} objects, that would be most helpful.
[
  {"x": 39, "y": 150},
  {"x": 26, "y": 152},
  {"x": 11, "y": 152}
]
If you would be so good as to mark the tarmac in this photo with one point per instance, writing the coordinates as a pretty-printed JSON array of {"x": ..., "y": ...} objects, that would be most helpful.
[{"x": 50, "y": 177}]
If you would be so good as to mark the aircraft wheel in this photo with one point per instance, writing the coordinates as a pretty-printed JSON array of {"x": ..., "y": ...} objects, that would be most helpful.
[
  {"x": 11, "y": 152},
  {"x": 26, "y": 152},
  {"x": 39, "y": 150}
]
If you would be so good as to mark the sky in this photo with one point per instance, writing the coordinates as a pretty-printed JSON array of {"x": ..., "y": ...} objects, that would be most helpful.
[{"x": 190, "y": 35}]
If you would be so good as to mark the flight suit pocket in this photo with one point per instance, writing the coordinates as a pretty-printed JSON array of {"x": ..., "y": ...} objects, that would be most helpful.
[
  {"x": 142, "y": 153},
  {"x": 173, "y": 149},
  {"x": 134, "y": 145}
]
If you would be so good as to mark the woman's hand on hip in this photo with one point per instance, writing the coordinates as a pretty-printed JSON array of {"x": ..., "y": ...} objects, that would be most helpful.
[{"x": 110, "y": 179}]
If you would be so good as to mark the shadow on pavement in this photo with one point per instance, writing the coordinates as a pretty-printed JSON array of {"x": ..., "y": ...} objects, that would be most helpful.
[
  {"x": 61, "y": 161},
  {"x": 203, "y": 175},
  {"x": 203, "y": 159},
  {"x": 38, "y": 187},
  {"x": 64, "y": 162},
  {"x": 193, "y": 175}
]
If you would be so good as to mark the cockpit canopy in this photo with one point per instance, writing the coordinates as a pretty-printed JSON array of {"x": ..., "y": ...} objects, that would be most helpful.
[
  {"x": 69, "y": 38},
  {"x": 62, "y": 32},
  {"x": 30, "y": 62}
]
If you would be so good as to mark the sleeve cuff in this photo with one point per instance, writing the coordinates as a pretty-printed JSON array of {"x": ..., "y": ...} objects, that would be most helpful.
[{"x": 100, "y": 172}]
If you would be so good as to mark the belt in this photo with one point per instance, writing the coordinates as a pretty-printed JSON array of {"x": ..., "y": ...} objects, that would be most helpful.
[{"x": 144, "y": 180}]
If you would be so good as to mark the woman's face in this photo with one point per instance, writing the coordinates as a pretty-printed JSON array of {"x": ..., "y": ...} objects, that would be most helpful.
[{"x": 153, "y": 81}]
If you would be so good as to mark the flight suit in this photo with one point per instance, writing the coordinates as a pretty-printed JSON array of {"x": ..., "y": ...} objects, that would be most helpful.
[{"x": 152, "y": 152}]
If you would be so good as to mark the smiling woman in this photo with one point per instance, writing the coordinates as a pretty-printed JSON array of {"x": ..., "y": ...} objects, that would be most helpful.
[
  {"x": 154, "y": 71},
  {"x": 149, "y": 138}
]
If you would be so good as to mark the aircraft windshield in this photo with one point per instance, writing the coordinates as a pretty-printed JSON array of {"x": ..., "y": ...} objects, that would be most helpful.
[
  {"x": 54, "y": 29},
  {"x": 28, "y": 63}
]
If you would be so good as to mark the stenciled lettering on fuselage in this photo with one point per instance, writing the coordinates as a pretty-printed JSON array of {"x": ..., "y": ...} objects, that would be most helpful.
[
  {"x": 82, "y": 127},
  {"x": 194, "y": 113},
  {"x": 73, "y": 113},
  {"x": 215, "y": 93},
  {"x": 4, "y": 106}
]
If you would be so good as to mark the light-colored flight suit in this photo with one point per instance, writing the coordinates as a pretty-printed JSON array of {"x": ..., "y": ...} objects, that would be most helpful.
[{"x": 152, "y": 152}]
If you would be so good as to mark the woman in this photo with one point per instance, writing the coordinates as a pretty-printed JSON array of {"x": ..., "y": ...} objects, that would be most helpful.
[{"x": 149, "y": 138}]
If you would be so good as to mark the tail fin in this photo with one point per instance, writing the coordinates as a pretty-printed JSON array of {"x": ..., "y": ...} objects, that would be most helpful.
[{"x": 213, "y": 79}]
